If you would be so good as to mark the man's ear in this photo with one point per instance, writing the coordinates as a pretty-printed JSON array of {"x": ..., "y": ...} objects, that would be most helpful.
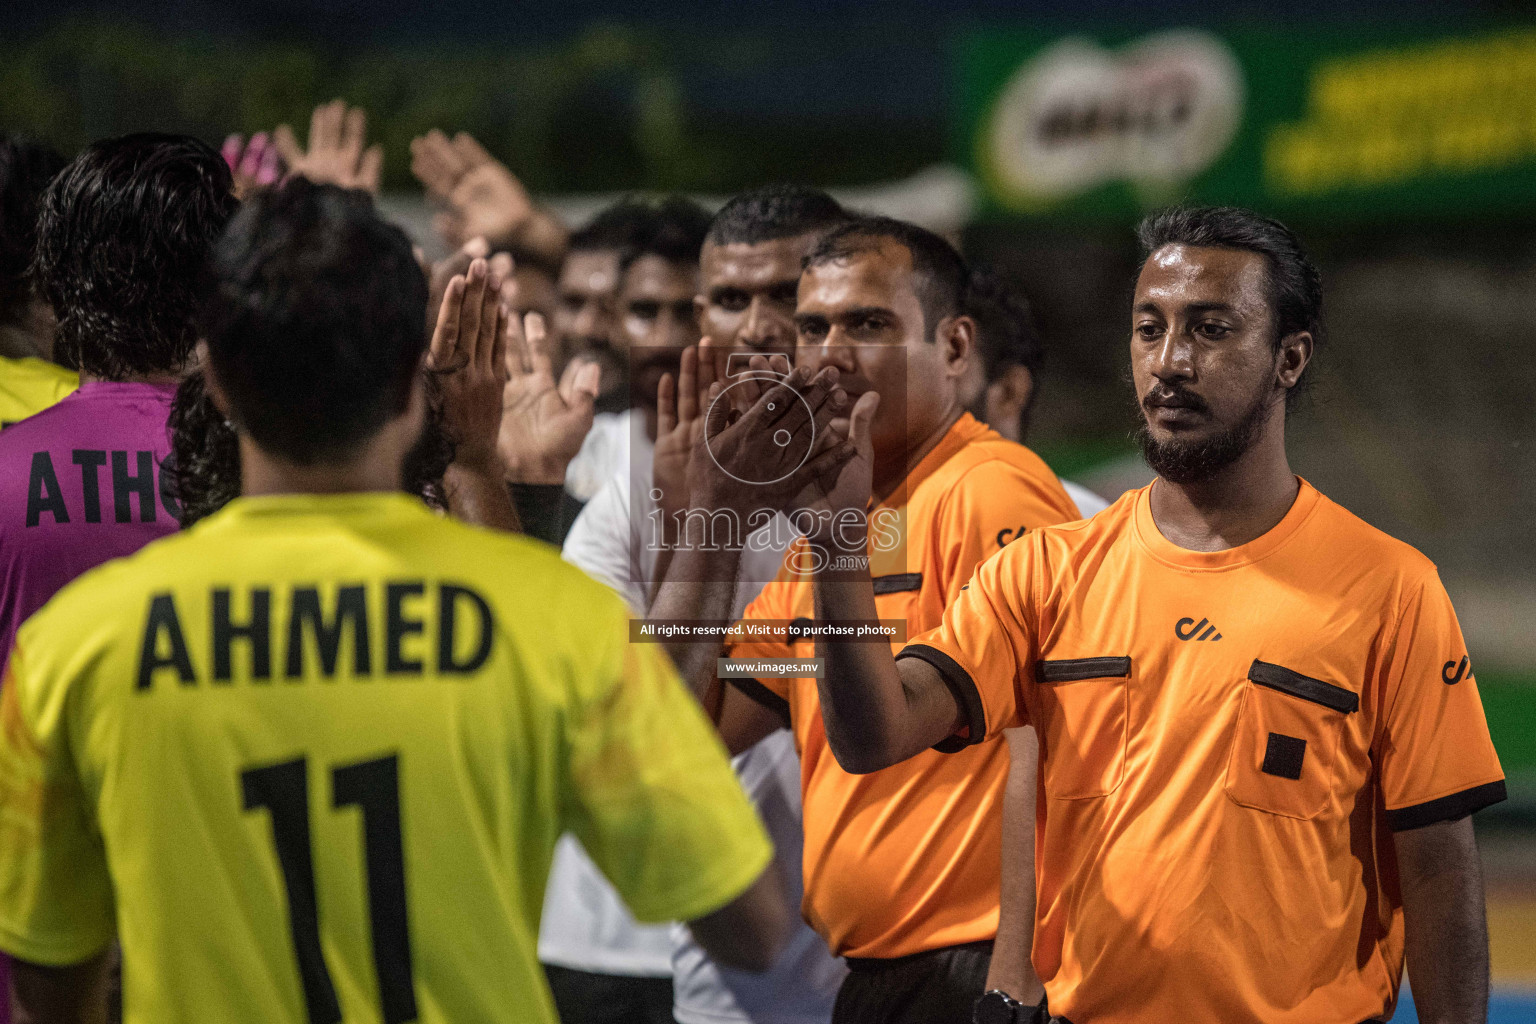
[
  {"x": 1016, "y": 386},
  {"x": 957, "y": 344},
  {"x": 1292, "y": 358},
  {"x": 1007, "y": 398}
]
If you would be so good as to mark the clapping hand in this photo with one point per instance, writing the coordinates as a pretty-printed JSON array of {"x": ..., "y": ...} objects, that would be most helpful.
[
  {"x": 680, "y": 406},
  {"x": 336, "y": 153},
  {"x": 468, "y": 356},
  {"x": 457, "y": 263},
  {"x": 785, "y": 442},
  {"x": 543, "y": 423},
  {"x": 836, "y": 486},
  {"x": 482, "y": 196},
  {"x": 254, "y": 164}
]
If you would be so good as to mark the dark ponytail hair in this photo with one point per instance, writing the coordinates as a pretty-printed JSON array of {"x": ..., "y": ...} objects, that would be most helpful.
[
  {"x": 427, "y": 461},
  {"x": 205, "y": 455}
]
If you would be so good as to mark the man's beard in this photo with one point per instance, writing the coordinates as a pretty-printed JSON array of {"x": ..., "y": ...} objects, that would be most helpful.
[
  {"x": 1195, "y": 461},
  {"x": 644, "y": 373}
]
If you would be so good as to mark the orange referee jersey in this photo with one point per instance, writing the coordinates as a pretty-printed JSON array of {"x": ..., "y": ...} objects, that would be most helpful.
[
  {"x": 1228, "y": 740},
  {"x": 906, "y": 859}
]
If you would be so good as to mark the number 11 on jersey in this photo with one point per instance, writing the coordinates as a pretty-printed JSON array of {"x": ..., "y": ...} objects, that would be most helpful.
[{"x": 373, "y": 787}]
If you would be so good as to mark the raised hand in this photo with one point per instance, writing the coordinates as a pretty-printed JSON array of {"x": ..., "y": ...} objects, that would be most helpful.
[
  {"x": 542, "y": 423},
  {"x": 680, "y": 408},
  {"x": 254, "y": 164},
  {"x": 482, "y": 196},
  {"x": 336, "y": 154},
  {"x": 468, "y": 357},
  {"x": 765, "y": 457},
  {"x": 841, "y": 485},
  {"x": 451, "y": 266}
]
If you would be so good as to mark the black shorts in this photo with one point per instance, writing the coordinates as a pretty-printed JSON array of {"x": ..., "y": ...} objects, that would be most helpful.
[
  {"x": 939, "y": 986},
  {"x": 582, "y": 997}
]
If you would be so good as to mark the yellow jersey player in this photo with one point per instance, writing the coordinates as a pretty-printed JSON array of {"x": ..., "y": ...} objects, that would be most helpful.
[
  {"x": 29, "y": 385},
  {"x": 308, "y": 760}
]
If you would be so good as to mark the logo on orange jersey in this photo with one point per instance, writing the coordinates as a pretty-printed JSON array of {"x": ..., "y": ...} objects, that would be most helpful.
[
  {"x": 1461, "y": 671},
  {"x": 1194, "y": 628},
  {"x": 1006, "y": 536}
]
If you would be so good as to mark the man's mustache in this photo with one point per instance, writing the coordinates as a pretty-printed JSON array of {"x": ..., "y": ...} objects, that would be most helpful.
[{"x": 1173, "y": 397}]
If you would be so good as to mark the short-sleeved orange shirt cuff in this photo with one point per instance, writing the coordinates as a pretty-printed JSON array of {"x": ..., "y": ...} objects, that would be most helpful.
[
  {"x": 967, "y": 696},
  {"x": 1447, "y": 808}
]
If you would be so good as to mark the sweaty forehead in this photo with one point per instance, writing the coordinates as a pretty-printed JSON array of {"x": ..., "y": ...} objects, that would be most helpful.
[
  {"x": 1181, "y": 275},
  {"x": 880, "y": 275},
  {"x": 750, "y": 265}
]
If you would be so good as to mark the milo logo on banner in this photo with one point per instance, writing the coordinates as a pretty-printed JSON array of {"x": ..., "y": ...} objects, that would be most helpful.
[{"x": 1154, "y": 114}]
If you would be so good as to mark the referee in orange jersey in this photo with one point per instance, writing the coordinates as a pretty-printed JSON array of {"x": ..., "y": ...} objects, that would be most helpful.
[{"x": 1260, "y": 733}]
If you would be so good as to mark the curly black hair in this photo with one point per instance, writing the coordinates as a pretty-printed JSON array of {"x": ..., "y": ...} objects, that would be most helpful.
[
  {"x": 204, "y": 463},
  {"x": 429, "y": 458},
  {"x": 124, "y": 235},
  {"x": 25, "y": 170}
]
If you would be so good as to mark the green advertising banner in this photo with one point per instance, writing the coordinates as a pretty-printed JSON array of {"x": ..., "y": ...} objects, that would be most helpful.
[{"x": 1380, "y": 124}]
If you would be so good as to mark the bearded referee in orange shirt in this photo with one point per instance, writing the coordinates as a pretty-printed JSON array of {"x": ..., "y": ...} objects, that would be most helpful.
[{"x": 1261, "y": 737}]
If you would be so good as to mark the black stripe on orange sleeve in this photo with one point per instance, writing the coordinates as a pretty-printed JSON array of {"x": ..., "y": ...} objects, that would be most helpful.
[
  {"x": 764, "y": 696},
  {"x": 966, "y": 694},
  {"x": 1447, "y": 808}
]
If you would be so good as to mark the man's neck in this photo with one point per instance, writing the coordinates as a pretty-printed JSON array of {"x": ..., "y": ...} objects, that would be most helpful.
[
  {"x": 376, "y": 469},
  {"x": 18, "y": 343},
  {"x": 29, "y": 334},
  {"x": 1239, "y": 504},
  {"x": 889, "y": 473},
  {"x": 160, "y": 379}
]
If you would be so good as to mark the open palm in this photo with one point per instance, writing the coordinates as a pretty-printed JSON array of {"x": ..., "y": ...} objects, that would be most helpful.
[
  {"x": 542, "y": 422},
  {"x": 846, "y": 485},
  {"x": 483, "y": 198},
  {"x": 680, "y": 408},
  {"x": 337, "y": 152}
]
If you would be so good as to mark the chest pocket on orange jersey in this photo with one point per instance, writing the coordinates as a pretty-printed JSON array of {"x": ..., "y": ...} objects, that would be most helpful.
[
  {"x": 1284, "y": 756},
  {"x": 896, "y": 598},
  {"x": 1084, "y": 711}
]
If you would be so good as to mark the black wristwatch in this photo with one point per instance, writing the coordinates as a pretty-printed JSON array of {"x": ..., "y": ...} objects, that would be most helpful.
[{"x": 997, "y": 1007}]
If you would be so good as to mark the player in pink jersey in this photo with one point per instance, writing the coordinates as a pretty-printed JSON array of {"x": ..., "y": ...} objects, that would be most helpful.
[
  {"x": 123, "y": 241},
  {"x": 124, "y": 237}
]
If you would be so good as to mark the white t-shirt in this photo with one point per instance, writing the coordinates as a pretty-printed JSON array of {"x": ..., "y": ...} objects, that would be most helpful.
[
  {"x": 586, "y": 925},
  {"x": 803, "y": 982},
  {"x": 1088, "y": 503},
  {"x": 604, "y": 452}
]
